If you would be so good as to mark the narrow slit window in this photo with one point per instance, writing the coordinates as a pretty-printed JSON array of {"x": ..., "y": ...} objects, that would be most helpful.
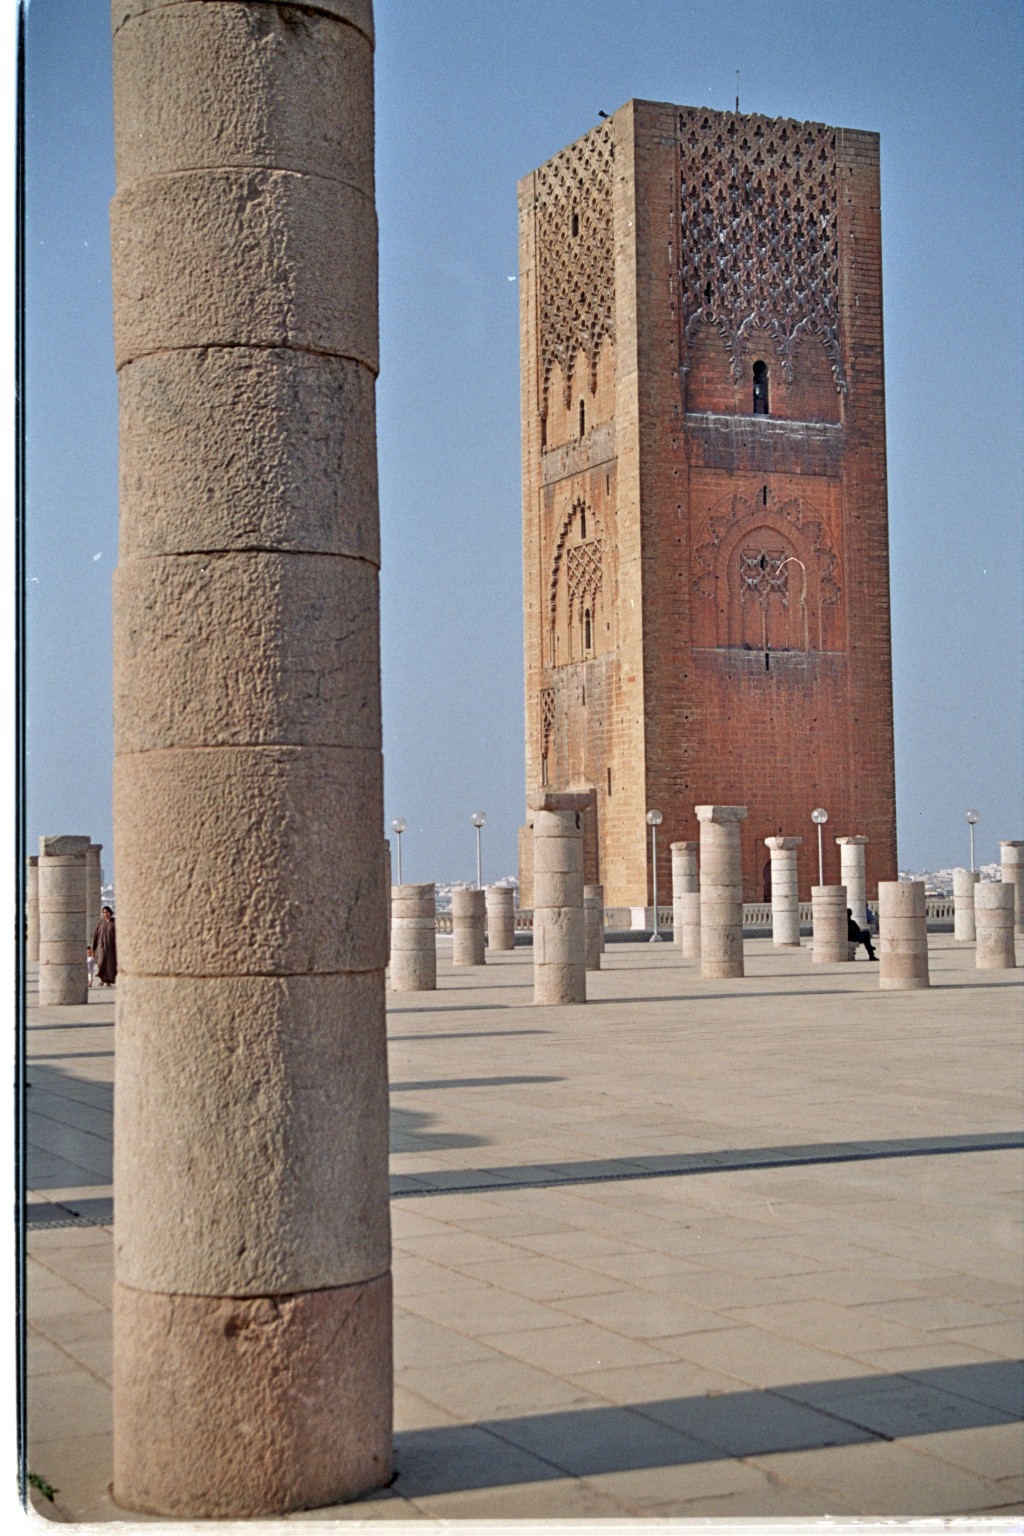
[
  {"x": 575, "y": 224},
  {"x": 583, "y": 418},
  {"x": 764, "y": 495},
  {"x": 760, "y": 388},
  {"x": 586, "y": 631},
  {"x": 583, "y": 522}
]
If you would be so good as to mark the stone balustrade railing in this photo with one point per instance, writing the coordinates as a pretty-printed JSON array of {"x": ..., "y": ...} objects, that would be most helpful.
[{"x": 757, "y": 917}]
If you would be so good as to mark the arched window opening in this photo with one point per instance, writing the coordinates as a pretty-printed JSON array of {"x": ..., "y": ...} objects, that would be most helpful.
[
  {"x": 583, "y": 418},
  {"x": 587, "y": 633},
  {"x": 544, "y": 771},
  {"x": 583, "y": 522},
  {"x": 764, "y": 495},
  {"x": 575, "y": 224},
  {"x": 760, "y": 388}
]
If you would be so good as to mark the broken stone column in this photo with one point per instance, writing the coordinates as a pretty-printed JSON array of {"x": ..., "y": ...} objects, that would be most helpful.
[
  {"x": 964, "y": 883},
  {"x": 686, "y": 899},
  {"x": 851, "y": 874},
  {"x": 413, "y": 943},
  {"x": 785, "y": 893},
  {"x": 559, "y": 946},
  {"x": 32, "y": 911},
  {"x": 501, "y": 917},
  {"x": 902, "y": 936},
  {"x": 593, "y": 926},
  {"x": 63, "y": 978},
  {"x": 93, "y": 892},
  {"x": 721, "y": 890},
  {"x": 1012, "y": 870},
  {"x": 830, "y": 942},
  {"x": 467, "y": 927},
  {"x": 252, "y": 1301},
  {"x": 994, "y": 914}
]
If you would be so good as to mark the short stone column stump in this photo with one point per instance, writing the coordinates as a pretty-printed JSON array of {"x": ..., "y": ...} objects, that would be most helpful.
[
  {"x": 593, "y": 926},
  {"x": 993, "y": 912},
  {"x": 721, "y": 891},
  {"x": 63, "y": 977},
  {"x": 830, "y": 942},
  {"x": 902, "y": 936},
  {"x": 964, "y": 885},
  {"x": 501, "y": 917},
  {"x": 1011, "y": 858},
  {"x": 785, "y": 892},
  {"x": 413, "y": 942},
  {"x": 467, "y": 927},
  {"x": 686, "y": 900},
  {"x": 559, "y": 945}
]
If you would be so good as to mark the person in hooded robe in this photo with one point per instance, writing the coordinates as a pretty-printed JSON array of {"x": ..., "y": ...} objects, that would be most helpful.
[{"x": 104, "y": 949}]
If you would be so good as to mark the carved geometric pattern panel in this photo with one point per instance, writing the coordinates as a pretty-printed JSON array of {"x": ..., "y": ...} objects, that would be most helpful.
[
  {"x": 760, "y": 233},
  {"x": 575, "y": 257},
  {"x": 547, "y": 718},
  {"x": 781, "y": 511},
  {"x": 764, "y": 573},
  {"x": 583, "y": 572}
]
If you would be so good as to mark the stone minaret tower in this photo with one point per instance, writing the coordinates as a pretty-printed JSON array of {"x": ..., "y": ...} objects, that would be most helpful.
[{"x": 706, "y": 585}]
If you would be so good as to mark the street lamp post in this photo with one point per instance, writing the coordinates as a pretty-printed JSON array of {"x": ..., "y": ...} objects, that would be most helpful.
[
  {"x": 819, "y": 817},
  {"x": 654, "y": 819},
  {"x": 398, "y": 827},
  {"x": 478, "y": 818},
  {"x": 972, "y": 817}
]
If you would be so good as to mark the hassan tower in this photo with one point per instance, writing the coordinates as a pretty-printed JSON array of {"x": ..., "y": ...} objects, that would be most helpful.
[{"x": 706, "y": 574}]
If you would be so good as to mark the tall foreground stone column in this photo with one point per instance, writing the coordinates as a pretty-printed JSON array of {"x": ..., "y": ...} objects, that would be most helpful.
[
  {"x": 63, "y": 978},
  {"x": 686, "y": 899},
  {"x": 785, "y": 891},
  {"x": 32, "y": 911},
  {"x": 501, "y": 917},
  {"x": 902, "y": 936},
  {"x": 993, "y": 906},
  {"x": 721, "y": 890},
  {"x": 964, "y": 885},
  {"x": 1012, "y": 870},
  {"x": 851, "y": 874},
  {"x": 830, "y": 943},
  {"x": 93, "y": 893},
  {"x": 559, "y": 946},
  {"x": 252, "y": 1305}
]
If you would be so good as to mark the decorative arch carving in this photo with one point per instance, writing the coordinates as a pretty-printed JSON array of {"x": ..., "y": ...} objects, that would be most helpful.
[
  {"x": 765, "y": 574},
  {"x": 576, "y": 584},
  {"x": 760, "y": 234}
]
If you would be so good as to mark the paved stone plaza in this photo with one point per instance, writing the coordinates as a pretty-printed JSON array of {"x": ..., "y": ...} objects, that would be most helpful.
[{"x": 732, "y": 1249}]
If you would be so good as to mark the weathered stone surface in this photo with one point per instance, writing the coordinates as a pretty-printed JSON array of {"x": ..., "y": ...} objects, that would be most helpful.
[
  {"x": 243, "y": 649},
  {"x": 413, "y": 938},
  {"x": 830, "y": 944},
  {"x": 468, "y": 911},
  {"x": 1012, "y": 869},
  {"x": 288, "y": 1190},
  {"x": 555, "y": 984},
  {"x": 286, "y": 87},
  {"x": 994, "y": 917},
  {"x": 308, "y": 895},
  {"x": 237, "y": 257},
  {"x": 785, "y": 893},
  {"x": 63, "y": 978},
  {"x": 32, "y": 911},
  {"x": 686, "y": 899},
  {"x": 902, "y": 936},
  {"x": 559, "y": 936},
  {"x": 240, "y": 448},
  {"x": 964, "y": 882},
  {"x": 501, "y": 917},
  {"x": 556, "y": 801},
  {"x": 93, "y": 892},
  {"x": 359, "y": 13},
  {"x": 593, "y": 926},
  {"x": 248, "y": 1407},
  {"x": 721, "y": 891},
  {"x": 852, "y": 875}
]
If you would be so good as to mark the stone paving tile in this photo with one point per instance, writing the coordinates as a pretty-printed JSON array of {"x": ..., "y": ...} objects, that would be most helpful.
[
  {"x": 669, "y": 1489},
  {"x": 540, "y": 1279},
  {"x": 761, "y": 1359},
  {"x": 561, "y": 1499},
  {"x": 879, "y": 1478},
  {"x": 485, "y": 1309},
  {"x": 574, "y": 1350},
  {"x": 62, "y": 1403},
  {"x": 995, "y": 1453},
  {"x": 931, "y": 1313},
  {"x": 643, "y": 1315},
  {"x": 419, "y": 1341},
  {"x": 844, "y": 1329},
  {"x": 478, "y": 1389}
]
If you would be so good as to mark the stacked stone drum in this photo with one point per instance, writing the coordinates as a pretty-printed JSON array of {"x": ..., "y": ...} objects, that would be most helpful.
[
  {"x": 467, "y": 927},
  {"x": 785, "y": 895},
  {"x": 993, "y": 910},
  {"x": 830, "y": 943},
  {"x": 721, "y": 891},
  {"x": 1012, "y": 871},
  {"x": 32, "y": 911},
  {"x": 559, "y": 947},
  {"x": 902, "y": 936},
  {"x": 63, "y": 978},
  {"x": 252, "y": 1299},
  {"x": 965, "y": 883},
  {"x": 413, "y": 945},
  {"x": 593, "y": 926},
  {"x": 686, "y": 899},
  {"x": 501, "y": 917}
]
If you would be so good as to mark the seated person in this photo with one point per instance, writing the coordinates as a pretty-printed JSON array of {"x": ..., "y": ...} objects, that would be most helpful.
[{"x": 858, "y": 935}]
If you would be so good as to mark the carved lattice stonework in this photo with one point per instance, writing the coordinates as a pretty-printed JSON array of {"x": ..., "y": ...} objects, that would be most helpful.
[
  {"x": 760, "y": 236},
  {"x": 583, "y": 573},
  {"x": 575, "y": 258},
  {"x": 547, "y": 718},
  {"x": 764, "y": 573}
]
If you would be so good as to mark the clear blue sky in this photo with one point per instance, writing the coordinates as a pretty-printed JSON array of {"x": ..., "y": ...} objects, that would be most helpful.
[{"x": 472, "y": 94}]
